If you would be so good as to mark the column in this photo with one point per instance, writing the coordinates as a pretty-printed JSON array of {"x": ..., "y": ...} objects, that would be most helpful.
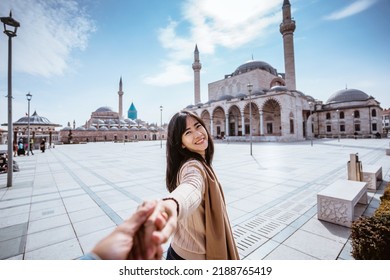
[
  {"x": 243, "y": 123},
  {"x": 261, "y": 123},
  {"x": 227, "y": 125},
  {"x": 211, "y": 126}
]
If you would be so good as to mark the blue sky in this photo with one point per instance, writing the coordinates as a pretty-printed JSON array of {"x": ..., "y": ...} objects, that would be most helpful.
[{"x": 70, "y": 54}]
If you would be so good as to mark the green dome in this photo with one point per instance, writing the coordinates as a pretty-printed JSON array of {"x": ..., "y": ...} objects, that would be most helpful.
[{"x": 132, "y": 112}]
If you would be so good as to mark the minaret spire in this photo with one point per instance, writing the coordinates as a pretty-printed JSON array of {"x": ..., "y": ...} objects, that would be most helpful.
[
  {"x": 287, "y": 28},
  {"x": 120, "y": 94},
  {"x": 196, "y": 66}
]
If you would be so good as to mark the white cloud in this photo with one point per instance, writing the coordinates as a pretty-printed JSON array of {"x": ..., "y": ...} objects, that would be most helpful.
[
  {"x": 211, "y": 24},
  {"x": 174, "y": 73},
  {"x": 356, "y": 7},
  {"x": 49, "y": 31}
]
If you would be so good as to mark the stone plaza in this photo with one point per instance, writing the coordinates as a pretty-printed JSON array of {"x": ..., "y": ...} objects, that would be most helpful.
[{"x": 64, "y": 200}]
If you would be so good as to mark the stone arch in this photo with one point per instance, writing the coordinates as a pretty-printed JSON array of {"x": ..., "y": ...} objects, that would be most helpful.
[
  {"x": 255, "y": 118},
  {"x": 205, "y": 116},
  {"x": 272, "y": 121},
  {"x": 235, "y": 121},
  {"x": 219, "y": 122}
]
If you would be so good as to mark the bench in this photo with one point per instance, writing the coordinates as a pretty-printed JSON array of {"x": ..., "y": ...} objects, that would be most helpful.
[
  {"x": 336, "y": 203},
  {"x": 372, "y": 174}
]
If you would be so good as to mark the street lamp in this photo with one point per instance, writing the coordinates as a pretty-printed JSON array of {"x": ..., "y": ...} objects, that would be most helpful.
[
  {"x": 250, "y": 87},
  {"x": 338, "y": 124},
  {"x": 161, "y": 134},
  {"x": 311, "y": 124},
  {"x": 10, "y": 27},
  {"x": 29, "y": 96}
]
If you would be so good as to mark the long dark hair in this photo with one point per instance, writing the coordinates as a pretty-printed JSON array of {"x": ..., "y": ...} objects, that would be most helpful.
[{"x": 176, "y": 154}]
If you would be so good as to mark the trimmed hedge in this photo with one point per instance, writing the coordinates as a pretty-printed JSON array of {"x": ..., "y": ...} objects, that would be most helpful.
[{"x": 371, "y": 235}]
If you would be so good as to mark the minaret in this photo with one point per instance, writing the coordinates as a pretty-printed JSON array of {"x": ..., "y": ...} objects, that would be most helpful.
[
  {"x": 196, "y": 66},
  {"x": 120, "y": 93},
  {"x": 287, "y": 28}
]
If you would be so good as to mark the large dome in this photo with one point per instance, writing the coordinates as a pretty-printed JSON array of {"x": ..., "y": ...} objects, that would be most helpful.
[
  {"x": 104, "y": 109},
  {"x": 347, "y": 95},
  {"x": 255, "y": 64}
]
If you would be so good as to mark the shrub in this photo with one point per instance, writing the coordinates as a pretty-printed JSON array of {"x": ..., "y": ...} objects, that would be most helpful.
[{"x": 371, "y": 237}]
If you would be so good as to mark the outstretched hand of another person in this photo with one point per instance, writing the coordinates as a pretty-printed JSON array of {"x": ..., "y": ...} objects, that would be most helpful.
[
  {"x": 120, "y": 243},
  {"x": 168, "y": 209},
  {"x": 158, "y": 229}
]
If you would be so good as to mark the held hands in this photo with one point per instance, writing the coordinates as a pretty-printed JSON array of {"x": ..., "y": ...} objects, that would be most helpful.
[
  {"x": 160, "y": 225},
  {"x": 140, "y": 237},
  {"x": 119, "y": 244}
]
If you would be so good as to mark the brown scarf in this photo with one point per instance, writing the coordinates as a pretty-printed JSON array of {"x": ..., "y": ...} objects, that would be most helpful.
[{"x": 220, "y": 244}]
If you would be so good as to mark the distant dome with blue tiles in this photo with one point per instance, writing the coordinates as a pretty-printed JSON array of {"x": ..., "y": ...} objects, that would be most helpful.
[{"x": 132, "y": 112}]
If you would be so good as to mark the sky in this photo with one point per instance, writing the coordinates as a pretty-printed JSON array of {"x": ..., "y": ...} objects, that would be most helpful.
[{"x": 71, "y": 54}]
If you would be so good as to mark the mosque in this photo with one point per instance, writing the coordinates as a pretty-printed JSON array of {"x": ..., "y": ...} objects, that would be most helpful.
[
  {"x": 256, "y": 101},
  {"x": 107, "y": 125}
]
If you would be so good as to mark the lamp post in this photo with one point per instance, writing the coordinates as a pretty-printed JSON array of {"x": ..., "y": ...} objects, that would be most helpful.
[
  {"x": 338, "y": 125},
  {"x": 311, "y": 124},
  {"x": 250, "y": 87},
  {"x": 29, "y": 96},
  {"x": 161, "y": 108},
  {"x": 10, "y": 27}
]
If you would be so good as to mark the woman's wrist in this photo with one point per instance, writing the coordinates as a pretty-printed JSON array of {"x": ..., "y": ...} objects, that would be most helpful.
[{"x": 173, "y": 200}]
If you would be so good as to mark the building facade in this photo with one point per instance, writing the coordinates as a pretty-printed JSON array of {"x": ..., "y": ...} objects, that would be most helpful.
[
  {"x": 40, "y": 128},
  {"x": 259, "y": 103},
  {"x": 107, "y": 125}
]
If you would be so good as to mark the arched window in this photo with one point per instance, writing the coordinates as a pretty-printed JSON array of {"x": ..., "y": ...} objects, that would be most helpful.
[
  {"x": 356, "y": 114},
  {"x": 328, "y": 116},
  {"x": 342, "y": 116},
  {"x": 373, "y": 113}
]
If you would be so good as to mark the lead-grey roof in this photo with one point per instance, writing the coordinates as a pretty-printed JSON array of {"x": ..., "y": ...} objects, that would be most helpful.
[
  {"x": 254, "y": 64},
  {"x": 347, "y": 95},
  {"x": 35, "y": 119}
]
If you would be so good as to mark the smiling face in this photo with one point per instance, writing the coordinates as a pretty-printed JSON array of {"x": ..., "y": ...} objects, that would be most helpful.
[{"x": 195, "y": 137}]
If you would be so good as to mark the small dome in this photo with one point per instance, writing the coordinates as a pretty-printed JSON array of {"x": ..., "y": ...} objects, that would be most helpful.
[
  {"x": 35, "y": 119},
  {"x": 92, "y": 128},
  {"x": 114, "y": 128},
  {"x": 225, "y": 97},
  {"x": 110, "y": 122},
  {"x": 134, "y": 128},
  {"x": 80, "y": 128},
  {"x": 255, "y": 64},
  {"x": 348, "y": 95},
  {"x": 241, "y": 96},
  {"x": 278, "y": 88},
  {"x": 103, "y": 128},
  {"x": 67, "y": 128}
]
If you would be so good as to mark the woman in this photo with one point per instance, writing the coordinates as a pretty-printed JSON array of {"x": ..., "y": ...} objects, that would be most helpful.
[{"x": 196, "y": 199}]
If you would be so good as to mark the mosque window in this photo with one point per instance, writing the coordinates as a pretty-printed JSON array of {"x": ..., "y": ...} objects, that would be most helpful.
[
  {"x": 145, "y": 136},
  {"x": 328, "y": 128},
  {"x": 342, "y": 128},
  {"x": 357, "y": 126},
  {"x": 328, "y": 116},
  {"x": 291, "y": 126},
  {"x": 374, "y": 127},
  {"x": 342, "y": 116},
  {"x": 356, "y": 114},
  {"x": 373, "y": 113}
]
